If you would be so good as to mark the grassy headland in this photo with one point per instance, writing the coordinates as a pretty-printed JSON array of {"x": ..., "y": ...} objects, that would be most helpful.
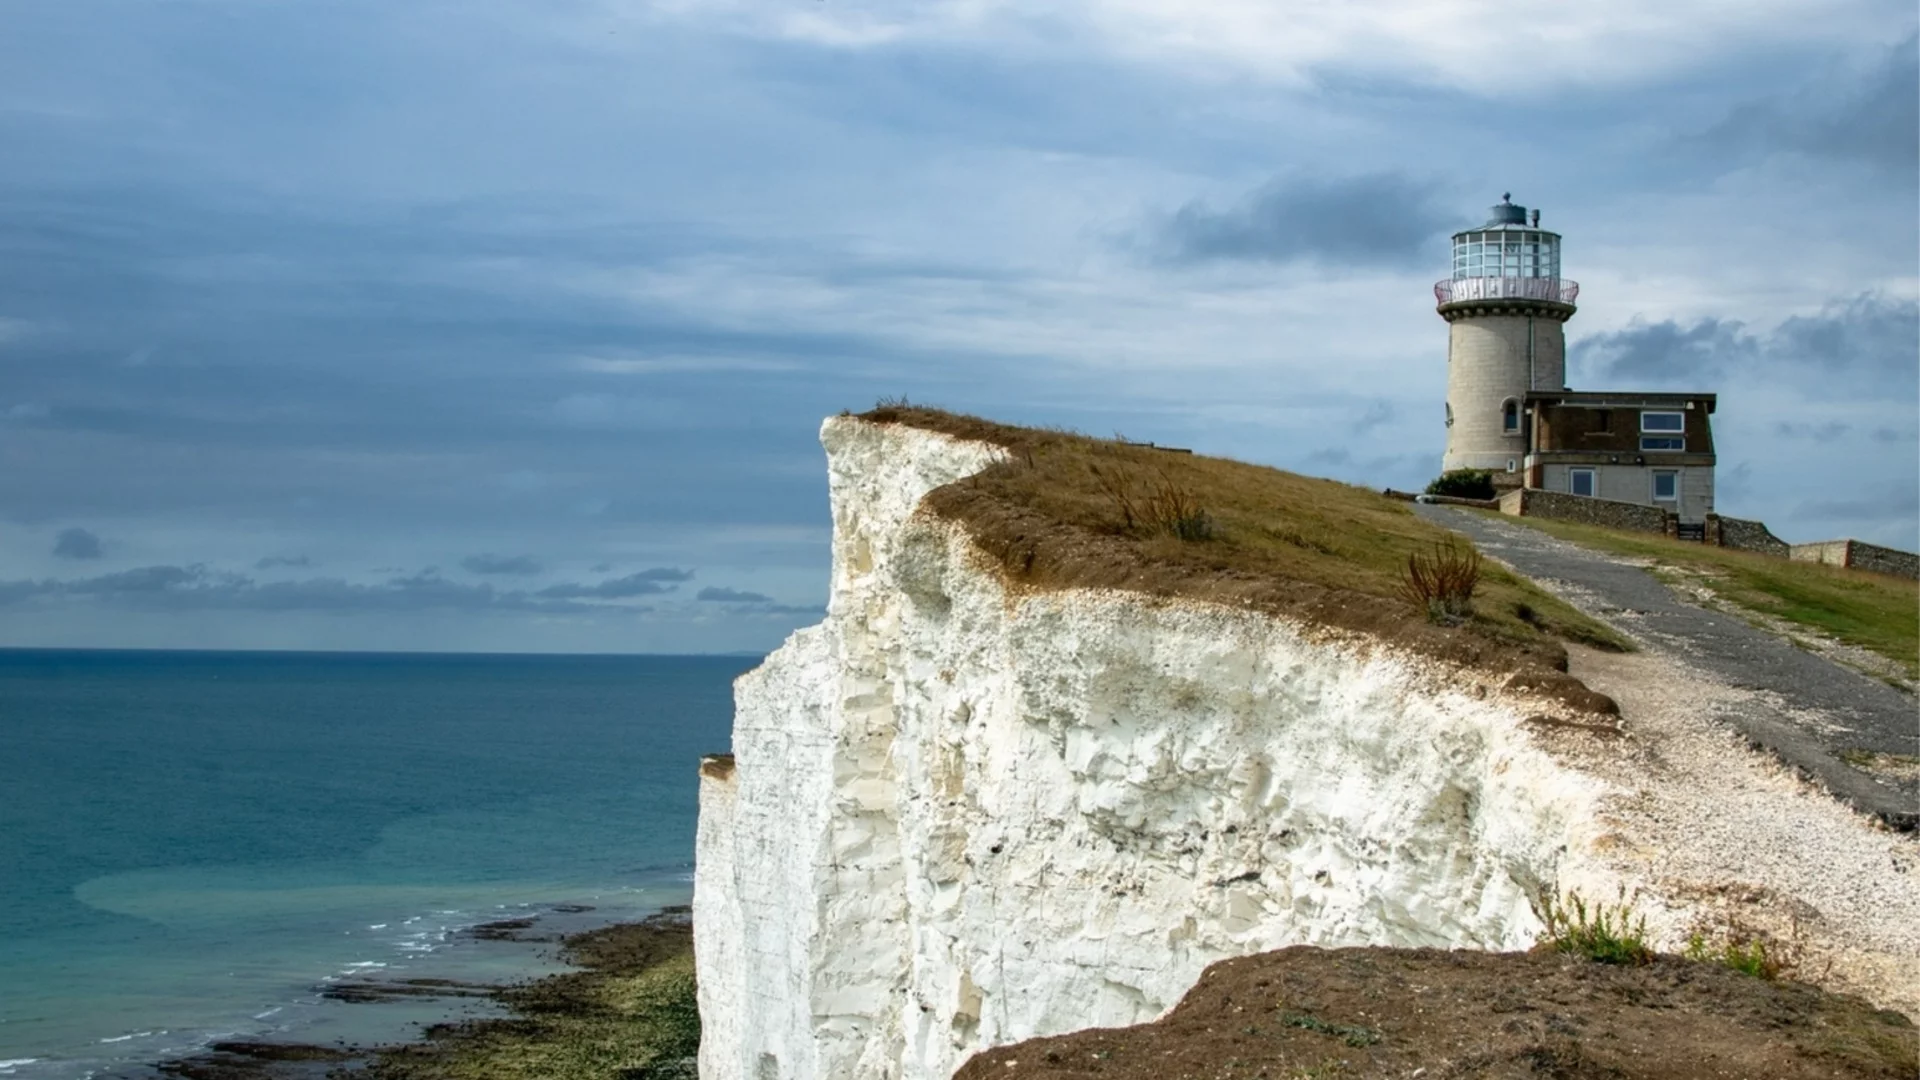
[{"x": 1067, "y": 510}]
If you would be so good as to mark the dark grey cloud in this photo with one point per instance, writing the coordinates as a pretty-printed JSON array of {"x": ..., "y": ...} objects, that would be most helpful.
[
  {"x": 198, "y": 588},
  {"x": 644, "y": 583},
  {"x": 723, "y": 595},
  {"x": 1827, "y": 432},
  {"x": 273, "y": 562},
  {"x": 518, "y": 565},
  {"x": 783, "y": 609},
  {"x": 1868, "y": 341},
  {"x": 1871, "y": 116},
  {"x": 76, "y": 543},
  {"x": 1377, "y": 412},
  {"x": 1889, "y": 504},
  {"x": 601, "y": 568},
  {"x": 1377, "y": 219},
  {"x": 1890, "y": 435},
  {"x": 1666, "y": 350}
]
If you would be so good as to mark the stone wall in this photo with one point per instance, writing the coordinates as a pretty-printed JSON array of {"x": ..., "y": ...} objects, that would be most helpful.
[
  {"x": 1743, "y": 535},
  {"x": 1860, "y": 556},
  {"x": 1881, "y": 560},
  {"x": 1608, "y": 513}
]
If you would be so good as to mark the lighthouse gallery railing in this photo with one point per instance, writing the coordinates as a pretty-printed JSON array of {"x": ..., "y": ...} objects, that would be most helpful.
[{"x": 1558, "y": 290}]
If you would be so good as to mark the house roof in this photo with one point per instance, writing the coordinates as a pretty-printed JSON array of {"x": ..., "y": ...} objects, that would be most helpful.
[{"x": 1623, "y": 399}]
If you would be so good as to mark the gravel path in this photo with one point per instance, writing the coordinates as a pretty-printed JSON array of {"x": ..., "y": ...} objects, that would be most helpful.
[{"x": 1809, "y": 711}]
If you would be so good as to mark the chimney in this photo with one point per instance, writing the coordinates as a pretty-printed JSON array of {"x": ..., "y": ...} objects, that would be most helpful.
[{"x": 1536, "y": 219}]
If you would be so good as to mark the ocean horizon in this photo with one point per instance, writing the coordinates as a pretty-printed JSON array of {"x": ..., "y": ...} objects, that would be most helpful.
[{"x": 195, "y": 843}]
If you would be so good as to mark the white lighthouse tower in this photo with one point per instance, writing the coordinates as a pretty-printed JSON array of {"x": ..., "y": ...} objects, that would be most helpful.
[{"x": 1507, "y": 308}]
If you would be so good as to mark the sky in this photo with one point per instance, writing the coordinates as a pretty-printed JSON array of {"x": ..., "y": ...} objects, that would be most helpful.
[{"x": 509, "y": 324}]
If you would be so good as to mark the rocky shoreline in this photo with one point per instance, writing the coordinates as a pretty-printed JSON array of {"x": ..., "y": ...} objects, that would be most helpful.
[{"x": 627, "y": 1011}]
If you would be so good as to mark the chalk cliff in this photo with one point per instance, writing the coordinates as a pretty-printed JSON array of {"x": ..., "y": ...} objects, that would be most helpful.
[{"x": 960, "y": 814}]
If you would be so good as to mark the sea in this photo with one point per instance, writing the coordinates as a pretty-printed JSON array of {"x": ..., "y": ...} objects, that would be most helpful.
[{"x": 194, "y": 845}]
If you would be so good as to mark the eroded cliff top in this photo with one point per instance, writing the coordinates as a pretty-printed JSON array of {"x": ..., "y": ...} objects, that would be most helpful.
[
  {"x": 1362, "y": 1014},
  {"x": 1070, "y": 511}
]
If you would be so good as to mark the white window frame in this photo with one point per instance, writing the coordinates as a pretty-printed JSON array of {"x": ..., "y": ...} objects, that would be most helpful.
[
  {"x": 1654, "y": 485},
  {"x": 1593, "y": 482},
  {"x": 1647, "y": 414}
]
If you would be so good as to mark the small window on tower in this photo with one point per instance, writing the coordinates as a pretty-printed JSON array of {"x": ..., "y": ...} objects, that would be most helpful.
[{"x": 1510, "y": 416}]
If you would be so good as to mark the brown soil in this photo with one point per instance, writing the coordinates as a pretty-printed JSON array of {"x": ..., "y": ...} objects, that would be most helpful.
[
  {"x": 1322, "y": 553},
  {"x": 1378, "y": 1013}
]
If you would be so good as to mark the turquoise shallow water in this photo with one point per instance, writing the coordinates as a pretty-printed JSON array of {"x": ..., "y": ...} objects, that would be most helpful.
[{"x": 190, "y": 843}]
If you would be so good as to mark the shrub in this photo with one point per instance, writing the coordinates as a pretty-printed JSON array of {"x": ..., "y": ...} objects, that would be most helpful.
[
  {"x": 1158, "y": 507},
  {"x": 1610, "y": 935},
  {"x": 1441, "y": 582},
  {"x": 1747, "y": 951},
  {"x": 1463, "y": 484}
]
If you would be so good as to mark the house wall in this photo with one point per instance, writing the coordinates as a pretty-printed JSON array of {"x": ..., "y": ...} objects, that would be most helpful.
[
  {"x": 1634, "y": 484},
  {"x": 1613, "y": 430}
]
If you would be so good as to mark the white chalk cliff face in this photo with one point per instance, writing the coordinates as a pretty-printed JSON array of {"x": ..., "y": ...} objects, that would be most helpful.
[{"x": 962, "y": 815}]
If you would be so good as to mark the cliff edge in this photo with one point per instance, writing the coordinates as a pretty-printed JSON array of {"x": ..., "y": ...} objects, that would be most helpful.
[{"x": 1027, "y": 779}]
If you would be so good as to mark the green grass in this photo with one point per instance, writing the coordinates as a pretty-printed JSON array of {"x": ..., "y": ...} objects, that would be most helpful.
[
  {"x": 1871, "y": 611},
  {"x": 634, "y": 1019},
  {"x": 1610, "y": 935}
]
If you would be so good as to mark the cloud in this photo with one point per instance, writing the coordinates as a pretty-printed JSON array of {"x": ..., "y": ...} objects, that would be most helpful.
[
  {"x": 1826, "y": 432},
  {"x": 1871, "y": 116},
  {"x": 731, "y": 596},
  {"x": 1666, "y": 350},
  {"x": 198, "y": 588},
  {"x": 76, "y": 543},
  {"x": 500, "y": 564},
  {"x": 644, "y": 583},
  {"x": 1885, "y": 504},
  {"x": 1238, "y": 42},
  {"x": 1868, "y": 340},
  {"x": 1378, "y": 411},
  {"x": 272, "y": 562},
  {"x": 1375, "y": 219}
]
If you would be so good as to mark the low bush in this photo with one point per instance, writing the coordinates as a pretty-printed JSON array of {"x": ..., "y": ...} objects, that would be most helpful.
[
  {"x": 1158, "y": 507},
  {"x": 1610, "y": 935},
  {"x": 1463, "y": 484},
  {"x": 1747, "y": 950},
  {"x": 1440, "y": 582}
]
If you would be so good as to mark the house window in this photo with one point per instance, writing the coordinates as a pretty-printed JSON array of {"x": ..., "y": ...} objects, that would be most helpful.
[
  {"x": 1580, "y": 482},
  {"x": 1603, "y": 420},
  {"x": 1666, "y": 485},
  {"x": 1663, "y": 431},
  {"x": 1510, "y": 417}
]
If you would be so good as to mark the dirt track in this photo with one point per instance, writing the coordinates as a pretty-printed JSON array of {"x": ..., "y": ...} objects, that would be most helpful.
[{"x": 1812, "y": 713}]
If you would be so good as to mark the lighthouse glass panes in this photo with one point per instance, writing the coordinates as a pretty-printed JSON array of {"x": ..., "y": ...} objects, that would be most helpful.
[{"x": 1508, "y": 252}]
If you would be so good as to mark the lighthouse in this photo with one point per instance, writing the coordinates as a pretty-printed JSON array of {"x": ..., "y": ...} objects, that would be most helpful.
[{"x": 1506, "y": 307}]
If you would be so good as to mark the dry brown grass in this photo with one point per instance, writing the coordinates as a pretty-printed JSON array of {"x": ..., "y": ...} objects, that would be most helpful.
[{"x": 1067, "y": 510}]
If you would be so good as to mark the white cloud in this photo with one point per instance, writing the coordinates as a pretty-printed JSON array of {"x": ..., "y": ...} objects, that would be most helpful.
[{"x": 1491, "y": 47}]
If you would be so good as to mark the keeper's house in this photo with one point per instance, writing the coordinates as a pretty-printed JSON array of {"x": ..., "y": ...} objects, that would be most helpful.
[{"x": 1647, "y": 448}]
